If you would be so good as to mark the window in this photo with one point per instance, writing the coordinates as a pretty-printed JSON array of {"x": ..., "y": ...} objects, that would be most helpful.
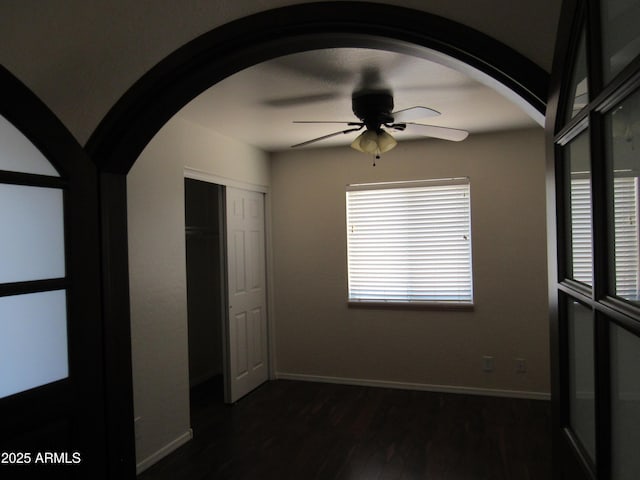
[
  {"x": 626, "y": 235},
  {"x": 577, "y": 166},
  {"x": 410, "y": 242},
  {"x": 622, "y": 124},
  {"x": 582, "y": 256},
  {"x": 625, "y": 208}
]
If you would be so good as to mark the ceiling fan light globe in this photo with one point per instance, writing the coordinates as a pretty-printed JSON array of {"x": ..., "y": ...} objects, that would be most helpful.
[
  {"x": 366, "y": 142},
  {"x": 369, "y": 142},
  {"x": 356, "y": 144},
  {"x": 385, "y": 142},
  {"x": 374, "y": 143}
]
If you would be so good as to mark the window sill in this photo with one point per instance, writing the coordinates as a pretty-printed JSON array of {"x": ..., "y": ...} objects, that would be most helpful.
[{"x": 467, "y": 307}]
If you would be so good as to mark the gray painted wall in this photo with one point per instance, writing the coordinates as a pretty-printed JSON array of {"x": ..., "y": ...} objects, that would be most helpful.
[{"x": 318, "y": 335}]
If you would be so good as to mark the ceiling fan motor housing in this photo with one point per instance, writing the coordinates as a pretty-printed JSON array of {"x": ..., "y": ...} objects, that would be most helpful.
[{"x": 373, "y": 108}]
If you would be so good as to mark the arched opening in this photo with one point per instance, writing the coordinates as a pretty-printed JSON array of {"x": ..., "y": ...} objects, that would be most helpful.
[
  {"x": 136, "y": 119},
  {"x": 165, "y": 89}
]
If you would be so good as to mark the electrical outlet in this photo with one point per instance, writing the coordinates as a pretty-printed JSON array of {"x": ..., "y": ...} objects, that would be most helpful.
[
  {"x": 521, "y": 365},
  {"x": 487, "y": 363}
]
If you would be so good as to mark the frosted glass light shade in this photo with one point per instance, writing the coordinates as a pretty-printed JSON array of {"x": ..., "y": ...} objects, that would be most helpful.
[
  {"x": 18, "y": 154},
  {"x": 33, "y": 341},
  {"x": 386, "y": 142},
  {"x": 373, "y": 142},
  {"x": 366, "y": 142},
  {"x": 32, "y": 234}
]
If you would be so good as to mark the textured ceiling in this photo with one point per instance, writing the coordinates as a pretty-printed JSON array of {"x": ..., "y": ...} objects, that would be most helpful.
[
  {"x": 81, "y": 58},
  {"x": 258, "y": 105}
]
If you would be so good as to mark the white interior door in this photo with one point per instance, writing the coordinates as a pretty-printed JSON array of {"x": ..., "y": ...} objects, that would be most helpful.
[{"x": 247, "y": 354}]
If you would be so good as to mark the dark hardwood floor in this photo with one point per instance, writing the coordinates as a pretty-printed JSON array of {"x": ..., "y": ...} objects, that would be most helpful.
[{"x": 301, "y": 430}]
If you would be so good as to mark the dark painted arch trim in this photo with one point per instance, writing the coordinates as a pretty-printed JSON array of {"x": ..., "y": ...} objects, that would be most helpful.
[
  {"x": 32, "y": 117},
  {"x": 159, "y": 94}
]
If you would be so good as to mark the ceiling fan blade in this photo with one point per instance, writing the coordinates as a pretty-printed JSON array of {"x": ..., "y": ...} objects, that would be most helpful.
[
  {"x": 329, "y": 121},
  {"x": 444, "y": 133},
  {"x": 327, "y": 136},
  {"x": 413, "y": 113},
  {"x": 301, "y": 100}
]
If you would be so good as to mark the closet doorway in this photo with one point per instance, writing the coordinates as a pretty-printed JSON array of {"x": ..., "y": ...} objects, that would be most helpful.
[
  {"x": 226, "y": 292},
  {"x": 204, "y": 231}
]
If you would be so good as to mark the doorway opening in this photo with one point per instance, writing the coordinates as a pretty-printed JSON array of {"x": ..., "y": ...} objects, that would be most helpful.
[
  {"x": 140, "y": 114},
  {"x": 204, "y": 239},
  {"x": 226, "y": 293}
]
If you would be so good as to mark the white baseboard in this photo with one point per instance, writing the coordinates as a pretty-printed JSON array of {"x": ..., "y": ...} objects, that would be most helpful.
[
  {"x": 164, "y": 451},
  {"x": 415, "y": 386}
]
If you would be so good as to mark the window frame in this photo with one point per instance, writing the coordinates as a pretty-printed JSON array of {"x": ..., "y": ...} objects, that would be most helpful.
[{"x": 403, "y": 304}]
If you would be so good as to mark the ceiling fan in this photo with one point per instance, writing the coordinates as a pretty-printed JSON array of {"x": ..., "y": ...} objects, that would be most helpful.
[{"x": 374, "y": 109}]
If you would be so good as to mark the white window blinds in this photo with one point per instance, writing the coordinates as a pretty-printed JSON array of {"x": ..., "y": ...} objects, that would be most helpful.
[
  {"x": 582, "y": 256},
  {"x": 410, "y": 242},
  {"x": 625, "y": 200}
]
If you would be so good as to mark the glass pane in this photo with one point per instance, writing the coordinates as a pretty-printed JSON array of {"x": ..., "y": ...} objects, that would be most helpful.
[
  {"x": 578, "y": 209},
  {"x": 625, "y": 404},
  {"x": 18, "y": 154},
  {"x": 622, "y": 124},
  {"x": 33, "y": 341},
  {"x": 620, "y": 34},
  {"x": 579, "y": 93},
  {"x": 32, "y": 235},
  {"x": 581, "y": 376}
]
